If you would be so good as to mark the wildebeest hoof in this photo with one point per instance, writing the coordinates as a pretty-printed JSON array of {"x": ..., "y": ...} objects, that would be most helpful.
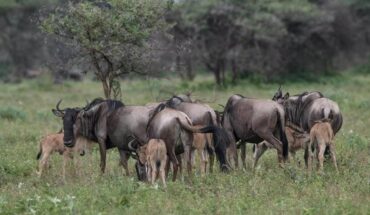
[{"x": 82, "y": 153}]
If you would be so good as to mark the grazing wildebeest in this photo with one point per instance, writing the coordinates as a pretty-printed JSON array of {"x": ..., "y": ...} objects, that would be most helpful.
[
  {"x": 297, "y": 139},
  {"x": 255, "y": 120},
  {"x": 321, "y": 137},
  {"x": 154, "y": 156},
  {"x": 176, "y": 129},
  {"x": 305, "y": 109},
  {"x": 52, "y": 143}
]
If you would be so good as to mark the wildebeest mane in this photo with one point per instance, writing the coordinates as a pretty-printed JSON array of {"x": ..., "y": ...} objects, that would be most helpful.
[
  {"x": 92, "y": 113},
  {"x": 155, "y": 111},
  {"x": 294, "y": 108}
]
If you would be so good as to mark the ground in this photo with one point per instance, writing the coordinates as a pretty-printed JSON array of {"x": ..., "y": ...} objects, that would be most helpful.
[{"x": 25, "y": 114}]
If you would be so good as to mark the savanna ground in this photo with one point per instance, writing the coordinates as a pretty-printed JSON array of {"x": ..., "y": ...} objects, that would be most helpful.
[{"x": 26, "y": 117}]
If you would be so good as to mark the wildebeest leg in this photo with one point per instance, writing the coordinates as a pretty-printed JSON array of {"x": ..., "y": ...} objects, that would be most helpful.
[
  {"x": 308, "y": 156},
  {"x": 322, "y": 147},
  {"x": 167, "y": 167},
  {"x": 188, "y": 158},
  {"x": 260, "y": 148},
  {"x": 175, "y": 164},
  {"x": 276, "y": 143},
  {"x": 211, "y": 162},
  {"x": 154, "y": 170},
  {"x": 124, "y": 156},
  {"x": 162, "y": 172},
  {"x": 203, "y": 163},
  {"x": 333, "y": 157},
  {"x": 243, "y": 154},
  {"x": 179, "y": 159},
  {"x": 103, "y": 154},
  {"x": 43, "y": 163}
]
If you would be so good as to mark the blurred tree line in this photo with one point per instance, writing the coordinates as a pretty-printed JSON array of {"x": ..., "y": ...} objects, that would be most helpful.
[{"x": 231, "y": 39}]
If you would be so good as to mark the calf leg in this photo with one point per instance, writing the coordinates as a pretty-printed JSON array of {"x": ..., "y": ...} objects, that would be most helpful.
[
  {"x": 321, "y": 156},
  {"x": 43, "y": 163},
  {"x": 162, "y": 172},
  {"x": 333, "y": 157},
  {"x": 211, "y": 162}
]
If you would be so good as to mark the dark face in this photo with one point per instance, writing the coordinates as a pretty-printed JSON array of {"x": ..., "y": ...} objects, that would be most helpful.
[
  {"x": 278, "y": 95},
  {"x": 140, "y": 171},
  {"x": 69, "y": 121}
]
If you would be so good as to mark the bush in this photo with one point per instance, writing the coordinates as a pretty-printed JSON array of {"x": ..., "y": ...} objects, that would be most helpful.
[{"x": 11, "y": 113}]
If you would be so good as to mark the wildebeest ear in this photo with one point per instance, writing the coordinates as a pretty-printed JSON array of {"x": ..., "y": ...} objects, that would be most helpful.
[
  {"x": 286, "y": 96},
  {"x": 57, "y": 113}
]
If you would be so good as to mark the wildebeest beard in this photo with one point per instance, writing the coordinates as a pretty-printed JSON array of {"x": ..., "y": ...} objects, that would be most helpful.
[{"x": 294, "y": 108}]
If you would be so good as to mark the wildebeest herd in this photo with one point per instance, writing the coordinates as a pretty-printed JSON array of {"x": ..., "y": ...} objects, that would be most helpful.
[{"x": 164, "y": 133}]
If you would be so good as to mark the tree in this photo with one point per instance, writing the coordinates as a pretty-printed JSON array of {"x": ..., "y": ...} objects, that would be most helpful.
[{"x": 112, "y": 34}]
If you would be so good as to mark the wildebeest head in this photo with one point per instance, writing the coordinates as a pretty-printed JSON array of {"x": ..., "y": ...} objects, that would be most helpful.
[
  {"x": 69, "y": 116},
  {"x": 278, "y": 94},
  {"x": 279, "y": 98}
]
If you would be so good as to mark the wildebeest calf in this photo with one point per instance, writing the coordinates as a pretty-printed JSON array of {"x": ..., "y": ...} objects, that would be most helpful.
[
  {"x": 154, "y": 156},
  {"x": 202, "y": 142},
  {"x": 297, "y": 140},
  {"x": 54, "y": 143},
  {"x": 321, "y": 136}
]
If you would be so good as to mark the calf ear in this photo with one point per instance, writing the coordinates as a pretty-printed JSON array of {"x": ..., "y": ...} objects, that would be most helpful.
[
  {"x": 57, "y": 113},
  {"x": 286, "y": 96}
]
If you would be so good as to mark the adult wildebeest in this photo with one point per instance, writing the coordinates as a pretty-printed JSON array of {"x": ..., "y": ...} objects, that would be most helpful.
[
  {"x": 304, "y": 109},
  {"x": 89, "y": 122},
  {"x": 176, "y": 129},
  {"x": 255, "y": 120},
  {"x": 199, "y": 114}
]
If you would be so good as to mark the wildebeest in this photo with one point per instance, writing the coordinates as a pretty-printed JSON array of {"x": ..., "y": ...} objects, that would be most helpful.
[
  {"x": 154, "y": 156},
  {"x": 176, "y": 129},
  {"x": 306, "y": 108},
  {"x": 255, "y": 120},
  {"x": 52, "y": 143},
  {"x": 321, "y": 136},
  {"x": 91, "y": 122},
  {"x": 199, "y": 114},
  {"x": 297, "y": 139}
]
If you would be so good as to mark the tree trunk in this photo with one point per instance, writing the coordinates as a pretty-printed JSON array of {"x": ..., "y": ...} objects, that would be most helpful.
[
  {"x": 234, "y": 71},
  {"x": 107, "y": 89},
  {"x": 189, "y": 68}
]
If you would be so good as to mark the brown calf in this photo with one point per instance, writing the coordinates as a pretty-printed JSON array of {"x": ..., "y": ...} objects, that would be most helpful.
[
  {"x": 200, "y": 143},
  {"x": 154, "y": 156},
  {"x": 52, "y": 143},
  {"x": 321, "y": 136},
  {"x": 297, "y": 140}
]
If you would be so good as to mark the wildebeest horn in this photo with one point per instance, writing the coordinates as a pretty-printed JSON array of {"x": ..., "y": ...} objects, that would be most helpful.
[
  {"x": 57, "y": 106},
  {"x": 223, "y": 106},
  {"x": 130, "y": 145}
]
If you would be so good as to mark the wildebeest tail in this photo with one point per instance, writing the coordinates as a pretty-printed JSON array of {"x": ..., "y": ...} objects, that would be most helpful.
[
  {"x": 158, "y": 163},
  {"x": 220, "y": 140},
  {"x": 283, "y": 137},
  {"x": 39, "y": 154}
]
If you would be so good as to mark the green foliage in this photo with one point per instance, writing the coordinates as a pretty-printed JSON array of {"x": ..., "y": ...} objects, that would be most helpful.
[
  {"x": 12, "y": 113},
  {"x": 113, "y": 34}
]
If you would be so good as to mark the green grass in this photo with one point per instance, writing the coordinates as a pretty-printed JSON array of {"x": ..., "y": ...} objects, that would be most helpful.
[{"x": 270, "y": 190}]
